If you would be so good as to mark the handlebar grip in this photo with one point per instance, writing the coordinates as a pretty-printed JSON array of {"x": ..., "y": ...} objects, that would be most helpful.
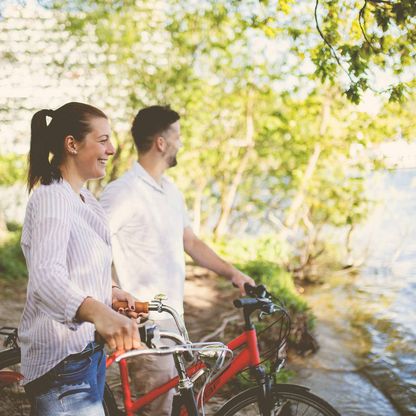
[
  {"x": 255, "y": 291},
  {"x": 140, "y": 307},
  {"x": 250, "y": 290},
  {"x": 240, "y": 303}
]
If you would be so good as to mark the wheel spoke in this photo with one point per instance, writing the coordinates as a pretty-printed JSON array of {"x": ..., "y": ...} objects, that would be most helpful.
[{"x": 288, "y": 401}]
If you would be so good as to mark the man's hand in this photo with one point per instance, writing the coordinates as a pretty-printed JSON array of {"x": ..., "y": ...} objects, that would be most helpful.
[{"x": 239, "y": 279}]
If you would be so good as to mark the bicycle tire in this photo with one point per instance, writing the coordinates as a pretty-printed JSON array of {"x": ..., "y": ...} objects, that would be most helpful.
[
  {"x": 13, "y": 400},
  {"x": 288, "y": 400},
  {"x": 110, "y": 404}
]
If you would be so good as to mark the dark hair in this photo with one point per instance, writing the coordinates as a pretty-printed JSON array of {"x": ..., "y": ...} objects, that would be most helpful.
[
  {"x": 72, "y": 119},
  {"x": 150, "y": 122}
]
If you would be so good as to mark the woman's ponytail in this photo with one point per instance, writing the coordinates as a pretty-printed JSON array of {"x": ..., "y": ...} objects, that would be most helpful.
[{"x": 40, "y": 169}]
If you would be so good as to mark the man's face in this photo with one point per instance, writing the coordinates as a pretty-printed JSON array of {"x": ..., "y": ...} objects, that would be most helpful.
[{"x": 173, "y": 143}]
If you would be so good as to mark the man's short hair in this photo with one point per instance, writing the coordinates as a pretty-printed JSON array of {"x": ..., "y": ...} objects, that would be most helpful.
[{"x": 149, "y": 122}]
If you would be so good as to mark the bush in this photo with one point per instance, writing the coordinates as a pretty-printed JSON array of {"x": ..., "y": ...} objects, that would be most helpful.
[
  {"x": 262, "y": 258},
  {"x": 277, "y": 281},
  {"x": 242, "y": 250},
  {"x": 12, "y": 168},
  {"x": 12, "y": 261}
]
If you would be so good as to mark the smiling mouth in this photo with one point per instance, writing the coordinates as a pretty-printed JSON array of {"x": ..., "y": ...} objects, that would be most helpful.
[{"x": 103, "y": 161}]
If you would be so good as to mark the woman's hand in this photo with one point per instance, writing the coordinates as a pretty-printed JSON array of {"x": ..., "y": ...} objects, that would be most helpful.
[
  {"x": 121, "y": 295},
  {"x": 118, "y": 294},
  {"x": 118, "y": 331}
]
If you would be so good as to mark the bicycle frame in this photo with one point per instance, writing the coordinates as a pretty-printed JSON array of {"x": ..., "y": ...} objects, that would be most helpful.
[{"x": 247, "y": 357}]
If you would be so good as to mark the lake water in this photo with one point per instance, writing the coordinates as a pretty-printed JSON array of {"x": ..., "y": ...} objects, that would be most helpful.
[{"x": 366, "y": 321}]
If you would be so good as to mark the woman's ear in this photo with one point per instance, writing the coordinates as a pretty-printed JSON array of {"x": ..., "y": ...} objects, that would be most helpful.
[{"x": 70, "y": 145}]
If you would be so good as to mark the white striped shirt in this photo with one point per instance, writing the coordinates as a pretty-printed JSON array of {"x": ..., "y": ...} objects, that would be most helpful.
[{"x": 66, "y": 243}]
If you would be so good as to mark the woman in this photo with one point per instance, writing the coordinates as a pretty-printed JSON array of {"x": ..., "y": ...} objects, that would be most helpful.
[{"x": 66, "y": 244}]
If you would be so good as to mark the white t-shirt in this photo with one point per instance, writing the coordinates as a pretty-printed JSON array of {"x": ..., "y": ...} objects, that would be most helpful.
[{"x": 147, "y": 222}]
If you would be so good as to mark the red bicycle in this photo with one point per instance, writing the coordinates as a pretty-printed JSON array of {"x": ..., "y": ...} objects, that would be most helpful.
[{"x": 266, "y": 397}]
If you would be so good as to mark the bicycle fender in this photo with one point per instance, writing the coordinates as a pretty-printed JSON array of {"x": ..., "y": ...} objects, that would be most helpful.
[{"x": 9, "y": 377}]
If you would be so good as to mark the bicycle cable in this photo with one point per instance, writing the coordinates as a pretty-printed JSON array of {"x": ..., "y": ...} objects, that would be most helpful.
[{"x": 219, "y": 363}]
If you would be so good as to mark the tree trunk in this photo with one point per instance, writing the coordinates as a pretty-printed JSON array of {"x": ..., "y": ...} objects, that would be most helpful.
[
  {"x": 295, "y": 212},
  {"x": 228, "y": 197},
  {"x": 3, "y": 227},
  {"x": 196, "y": 224},
  {"x": 294, "y": 215}
]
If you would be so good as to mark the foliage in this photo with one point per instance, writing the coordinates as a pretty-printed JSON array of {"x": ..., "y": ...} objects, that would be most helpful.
[
  {"x": 366, "y": 35},
  {"x": 12, "y": 261},
  {"x": 244, "y": 381},
  {"x": 263, "y": 258},
  {"x": 360, "y": 39},
  {"x": 12, "y": 169},
  {"x": 266, "y": 248},
  {"x": 268, "y": 148},
  {"x": 278, "y": 281}
]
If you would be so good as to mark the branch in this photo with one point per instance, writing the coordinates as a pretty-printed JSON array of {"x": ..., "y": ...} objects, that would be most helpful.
[
  {"x": 361, "y": 21},
  {"x": 219, "y": 330},
  {"x": 331, "y": 48},
  {"x": 389, "y": 3},
  {"x": 275, "y": 220}
]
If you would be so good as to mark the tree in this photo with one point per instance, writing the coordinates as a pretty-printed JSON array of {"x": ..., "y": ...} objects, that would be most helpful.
[
  {"x": 364, "y": 40},
  {"x": 268, "y": 147},
  {"x": 382, "y": 35}
]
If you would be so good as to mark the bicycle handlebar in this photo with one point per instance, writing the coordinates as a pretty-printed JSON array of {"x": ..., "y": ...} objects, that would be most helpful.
[
  {"x": 259, "y": 291},
  {"x": 186, "y": 349},
  {"x": 259, "y": 299},
  {"x": 139, "y": 307},
  {"x": 251, "y": 304},
  {"x": 156, "y": 306},
  {"x": 252, "y": 291}
]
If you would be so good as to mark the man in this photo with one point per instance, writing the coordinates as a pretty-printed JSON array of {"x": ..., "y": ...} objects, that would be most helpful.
[{"x": 150, "y": 231}]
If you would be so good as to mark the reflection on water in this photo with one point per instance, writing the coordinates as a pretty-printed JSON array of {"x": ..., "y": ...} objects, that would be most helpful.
[
  {"x": 367, "y": 329},
  {"x": 388, "y": 288}
]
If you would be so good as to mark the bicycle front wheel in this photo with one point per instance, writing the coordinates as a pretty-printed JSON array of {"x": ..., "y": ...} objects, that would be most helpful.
[
  {"x": 13, "y": 401},
  {"x": 287, "y": 400}
]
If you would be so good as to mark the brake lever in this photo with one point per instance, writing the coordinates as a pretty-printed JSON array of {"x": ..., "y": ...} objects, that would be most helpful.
[
  {"x": 262, "y": 315},
  {"x": 156, "y": 341},
  {"x": 11, "y": 333}
]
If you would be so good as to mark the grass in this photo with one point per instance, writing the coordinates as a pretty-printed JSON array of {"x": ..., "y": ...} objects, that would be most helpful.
[{"x": 12, "y": 261}]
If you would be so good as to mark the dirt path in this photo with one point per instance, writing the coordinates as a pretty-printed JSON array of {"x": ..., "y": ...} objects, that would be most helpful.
[
  {"x": 208, "y": 301},
  {"x": 12, "y": 298}
]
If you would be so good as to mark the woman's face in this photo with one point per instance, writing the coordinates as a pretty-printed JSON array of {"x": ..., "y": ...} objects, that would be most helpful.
[{"x": 93, "y": 152}]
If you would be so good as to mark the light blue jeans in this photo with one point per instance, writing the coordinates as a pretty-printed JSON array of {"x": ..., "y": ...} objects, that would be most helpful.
[{"x": 75, "y": 387}]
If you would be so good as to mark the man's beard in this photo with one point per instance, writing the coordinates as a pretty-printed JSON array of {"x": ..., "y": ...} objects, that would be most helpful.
[
  {"x": 172, "y": 161},
  {"x": 171, "y": 158}
]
